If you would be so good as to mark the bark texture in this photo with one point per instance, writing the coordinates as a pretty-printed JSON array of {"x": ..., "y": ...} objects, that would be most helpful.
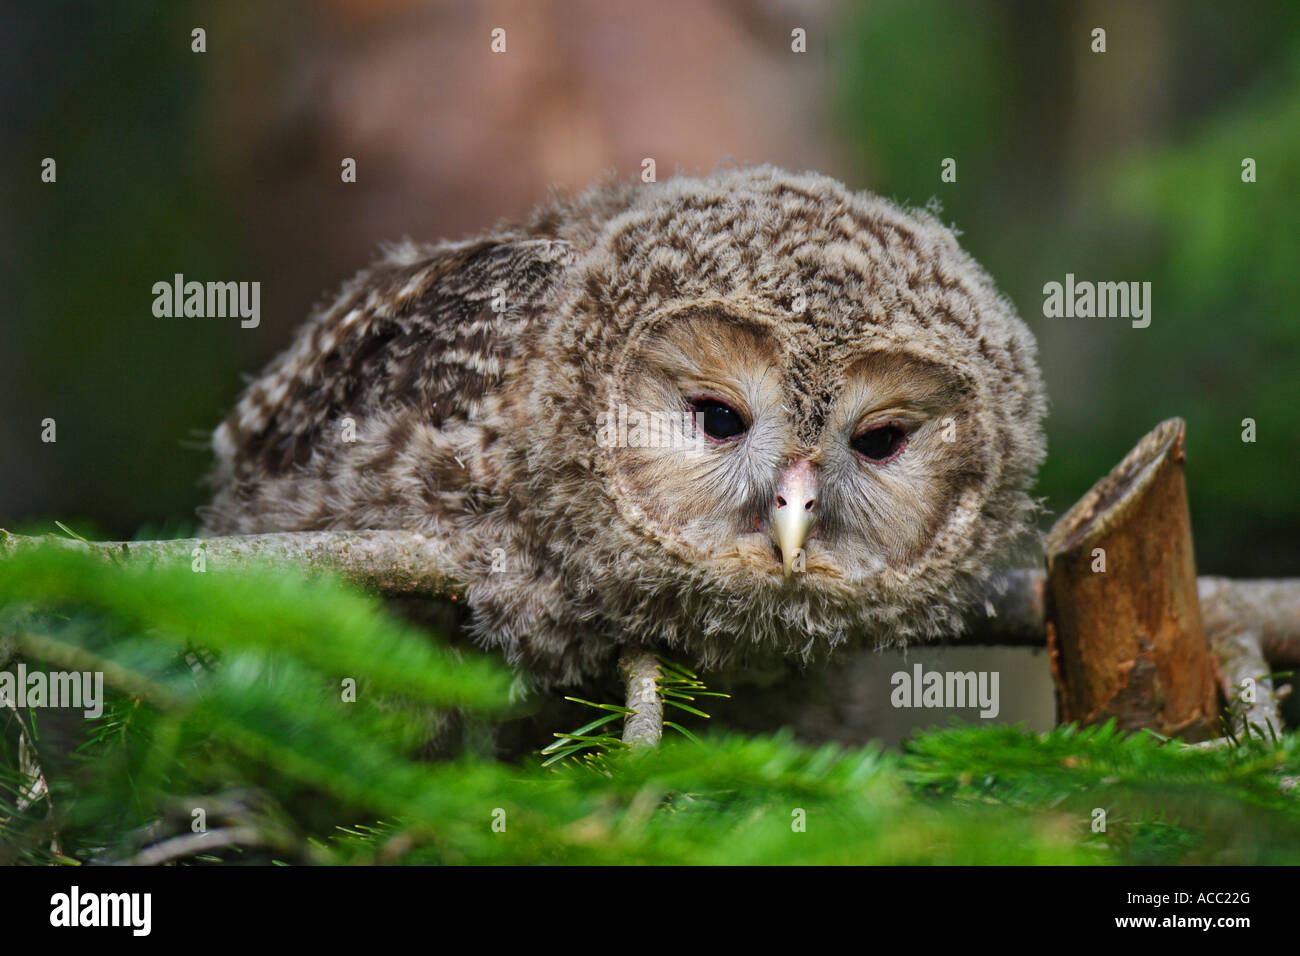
[{"x": 1124, "y": 631}]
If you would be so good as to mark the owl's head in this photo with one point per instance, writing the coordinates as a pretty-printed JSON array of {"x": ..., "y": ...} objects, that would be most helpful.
[
  {"x": 760, "y": 451},
  {"x": 805, "y": 413}
]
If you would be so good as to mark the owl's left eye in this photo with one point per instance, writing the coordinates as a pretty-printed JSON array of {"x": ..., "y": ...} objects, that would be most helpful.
[
  {"x": 718, "y": 420},
  {"x": 880, "y": 444}
]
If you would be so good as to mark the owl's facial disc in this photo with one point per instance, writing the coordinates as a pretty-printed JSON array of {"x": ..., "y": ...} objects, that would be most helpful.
[{"x": 805, "y": 469}]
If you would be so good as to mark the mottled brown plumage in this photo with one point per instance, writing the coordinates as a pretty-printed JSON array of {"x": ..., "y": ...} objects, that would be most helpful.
[{"x": 481, "y": 376}]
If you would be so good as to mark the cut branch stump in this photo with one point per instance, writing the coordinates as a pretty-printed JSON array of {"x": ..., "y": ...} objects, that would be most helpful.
[{"x": 1123, "y": 617}]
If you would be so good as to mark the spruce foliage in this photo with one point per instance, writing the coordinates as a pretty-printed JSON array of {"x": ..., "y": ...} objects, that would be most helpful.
[{"x": 227, "y": 704}]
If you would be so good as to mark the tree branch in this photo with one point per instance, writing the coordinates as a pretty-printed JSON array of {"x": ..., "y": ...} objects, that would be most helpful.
[
  {"x": 392, "y": 562},
  {"x": 406, "y": 563},
  {"x": 189, "y": 844},
  {"x": 1270, "y": 607},
  {"x": 640, "y": 673}
]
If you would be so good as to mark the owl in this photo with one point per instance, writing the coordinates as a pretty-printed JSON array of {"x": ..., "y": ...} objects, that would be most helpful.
[{"x": 738, "y": 418}]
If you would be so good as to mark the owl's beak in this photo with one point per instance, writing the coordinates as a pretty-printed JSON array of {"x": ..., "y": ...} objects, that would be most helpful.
[{"x": 794, "y": 512}]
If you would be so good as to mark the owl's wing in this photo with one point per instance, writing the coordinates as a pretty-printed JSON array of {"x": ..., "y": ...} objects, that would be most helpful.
[{"x": 427, "y": 331}]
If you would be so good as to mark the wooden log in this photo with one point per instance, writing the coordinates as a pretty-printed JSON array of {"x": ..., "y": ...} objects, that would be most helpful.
[{"x": 1123, "y": 628}]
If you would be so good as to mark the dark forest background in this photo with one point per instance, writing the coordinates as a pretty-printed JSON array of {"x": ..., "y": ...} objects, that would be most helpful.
[{"x": 225, "y": 165}]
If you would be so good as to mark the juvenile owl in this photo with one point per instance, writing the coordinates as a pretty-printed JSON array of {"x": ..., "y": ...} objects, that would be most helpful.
[{"x": 747, "y": 416}]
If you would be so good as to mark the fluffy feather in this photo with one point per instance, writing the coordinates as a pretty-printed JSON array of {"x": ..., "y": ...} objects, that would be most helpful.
[{"x": 475, "y": 373}]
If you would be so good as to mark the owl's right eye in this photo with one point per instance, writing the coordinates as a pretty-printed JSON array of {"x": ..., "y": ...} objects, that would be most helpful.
[{"x": 718, "y": 420}]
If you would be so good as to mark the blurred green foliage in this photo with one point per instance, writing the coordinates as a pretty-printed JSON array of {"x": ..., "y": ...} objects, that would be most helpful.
[
  {"x": 110, "y": 91},
  {"x": 1227, "y": 260},
  {"x": 251, "y": 728},
  {"x": 1117, "y": 166}
]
